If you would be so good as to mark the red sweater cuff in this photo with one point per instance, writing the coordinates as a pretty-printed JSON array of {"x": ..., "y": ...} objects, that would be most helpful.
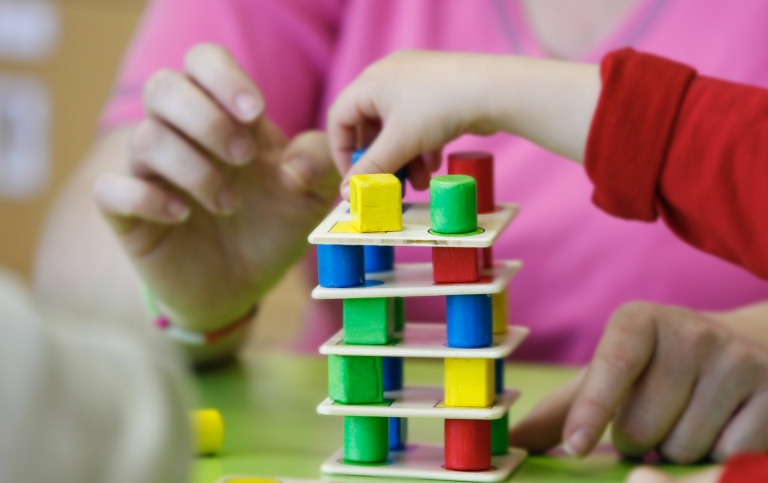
[
  {"x": 746, "y": 468},
  {"x": 631, "y": 130}
]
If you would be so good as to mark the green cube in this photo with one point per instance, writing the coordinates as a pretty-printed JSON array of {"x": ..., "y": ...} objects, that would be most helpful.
[
  {"x": 355, "y": 379},
  {"x": 369, "y": 321},
  {"x": 500, "y": 435},
  {"x": 366, "y": 439}
]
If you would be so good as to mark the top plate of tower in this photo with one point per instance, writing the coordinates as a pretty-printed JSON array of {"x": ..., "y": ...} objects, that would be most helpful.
[{"x": 336, "y": 229}]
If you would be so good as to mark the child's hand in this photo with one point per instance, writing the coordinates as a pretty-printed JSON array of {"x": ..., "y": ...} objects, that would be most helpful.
[
  {"x": 216, "y": 205},
  {"x": 669, "y": 379},
  {"x": 424, "y": 100}
]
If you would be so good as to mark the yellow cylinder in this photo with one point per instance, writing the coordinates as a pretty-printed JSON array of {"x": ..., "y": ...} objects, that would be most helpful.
[{"x": 208, "y": 428}]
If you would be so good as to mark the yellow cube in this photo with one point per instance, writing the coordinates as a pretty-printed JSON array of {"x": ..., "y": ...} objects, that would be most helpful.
[
  {"x": 469, "y": 383},
  {"x": 376, "y": 203},
  {"x": 500, "y": 304}
]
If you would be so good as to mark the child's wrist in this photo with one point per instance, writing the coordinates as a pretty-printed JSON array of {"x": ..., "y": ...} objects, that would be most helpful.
[{"x": 197, "y": 332}]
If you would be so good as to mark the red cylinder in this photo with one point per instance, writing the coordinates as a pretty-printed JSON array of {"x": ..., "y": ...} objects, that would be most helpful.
[
  {"x": 479, "y": 165},
  {"x": 467, "y": 444}
]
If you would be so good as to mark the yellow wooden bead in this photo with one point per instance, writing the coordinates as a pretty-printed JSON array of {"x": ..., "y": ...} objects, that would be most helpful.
[
  {"x": 376, "y": 203},
  {"x": 469, "y": 383},
  {"x": 209, "y": 431},
  {"x": 500, "y": 303}
]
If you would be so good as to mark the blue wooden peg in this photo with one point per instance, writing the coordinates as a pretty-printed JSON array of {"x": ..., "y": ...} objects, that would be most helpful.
[
  {"x": 379, "y": 258},
  {"x": 340, "y": 266},
  {"x": 469, "y": 320},
  {"x": 398, "y": 433},
  {"x": 393, "y": 373}
]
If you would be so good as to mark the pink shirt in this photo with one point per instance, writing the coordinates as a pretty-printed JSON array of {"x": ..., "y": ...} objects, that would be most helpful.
[{"x": 580, "y": 264}]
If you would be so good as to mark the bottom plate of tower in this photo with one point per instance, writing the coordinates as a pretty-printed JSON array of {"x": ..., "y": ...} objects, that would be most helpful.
[{"x": 426, "y": 462}]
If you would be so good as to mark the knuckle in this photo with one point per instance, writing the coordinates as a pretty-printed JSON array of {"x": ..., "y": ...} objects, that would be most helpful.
[
  {"x": 632, "y": 313},
  {"x": 699, "y": 338},
  {"x": 161, "y": 84},
  {"x": 146, "y": 137},
  {"x": 618, "y": 361}
]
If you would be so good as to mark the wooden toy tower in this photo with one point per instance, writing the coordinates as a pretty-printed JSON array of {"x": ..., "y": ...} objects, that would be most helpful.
[{"x": 365, "y": 360}]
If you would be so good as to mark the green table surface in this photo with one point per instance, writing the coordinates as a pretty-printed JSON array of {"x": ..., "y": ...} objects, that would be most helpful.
[{"x": 268, "y": 404}]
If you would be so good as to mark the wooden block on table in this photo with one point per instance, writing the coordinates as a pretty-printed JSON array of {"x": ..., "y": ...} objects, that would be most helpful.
[
  {"x": 478, "y": 165},
  {"x": 469, "y": 383},
  {"x": 453, "y": 204},
  {"x": 467, "y": 445},
  {"x": 379, "y": 258},
  {"x": 500, "y": 303},
  {"x": 355, "y": 379},
  {"x": 469, "y": 320},
  {"x": 401, "y": 174},
  {"x": 340, "y": 266},
  {"x": 366, "y": 439},
  {"x": 398, "y": 433},
  {"x": 500, "y": 435},
  {"x": 369, "y": 321},
  {"x": 456, "y": 265},
  {"x": 376, "y": 203},
  {"x": 208, "y": 430},
  {"x": 393, "y": 373}
]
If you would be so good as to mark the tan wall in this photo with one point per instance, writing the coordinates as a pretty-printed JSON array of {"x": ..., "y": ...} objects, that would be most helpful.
[{"x": 78, "y": 76}]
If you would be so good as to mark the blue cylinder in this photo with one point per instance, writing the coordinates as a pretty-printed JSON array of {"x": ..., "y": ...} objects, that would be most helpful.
[
  {"x": 340, "y": 266},
  {"x": 393, "y": 373},
  {"x": 379, "y": 258},
  {"x": 469, "y": 320},
  {"x": 499, "y": 375},
  {"x": 398, "y": 433}
]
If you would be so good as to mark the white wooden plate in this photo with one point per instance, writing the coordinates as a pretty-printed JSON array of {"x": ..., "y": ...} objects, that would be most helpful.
[
  {"x": 428, "y": 340},
  {"x": 419, "y": 402},
  {"x": 426, "y": 461},
  {"x": 415, "y": 231},
  {"x": 415, "y": 280}
]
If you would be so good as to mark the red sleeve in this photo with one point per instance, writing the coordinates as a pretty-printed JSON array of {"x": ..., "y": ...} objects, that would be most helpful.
[
  {"x": 746, "y": 468},
  {"x": 694, "y": 150}
]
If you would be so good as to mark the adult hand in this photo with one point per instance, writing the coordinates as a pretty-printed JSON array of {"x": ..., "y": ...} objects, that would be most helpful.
[
  {"x": 216, "y": 204},
  {"x": 668, "y": 379}
]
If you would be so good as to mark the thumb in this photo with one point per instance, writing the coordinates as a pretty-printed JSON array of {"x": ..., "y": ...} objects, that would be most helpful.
[
  {"x": 542, "y": 428},
  {"x": 307, "y": 166}
]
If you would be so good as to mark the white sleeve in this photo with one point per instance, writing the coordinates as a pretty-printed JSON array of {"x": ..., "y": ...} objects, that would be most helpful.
[{"x": 88, "y": 402}]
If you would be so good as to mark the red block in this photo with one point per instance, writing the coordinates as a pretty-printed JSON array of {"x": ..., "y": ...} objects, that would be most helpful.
[
  {"x": 488, "y": 257},
  {"x": 456, "y": 265},
  {"x": 479, "y": 165},
  {"x": 467, "y": 444}
]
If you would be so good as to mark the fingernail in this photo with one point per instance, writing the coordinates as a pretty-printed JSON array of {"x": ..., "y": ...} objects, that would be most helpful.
[
  {"x": 294, "y": 174},
  {"x": 177, "y": 209},
  {"x": 579, "y": 442},
  {"x": 228, "y": 200},
  {"x": 248, "y": 106},
  {"x": 242, "y": 149}
]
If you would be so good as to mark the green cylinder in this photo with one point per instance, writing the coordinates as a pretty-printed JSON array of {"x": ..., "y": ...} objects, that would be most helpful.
[
  {"x": 500, "y": 435},
  {"x": 366, "y": 439},
  {"x": 453, "y": 204},
  {"x": 399, "y": 314}
]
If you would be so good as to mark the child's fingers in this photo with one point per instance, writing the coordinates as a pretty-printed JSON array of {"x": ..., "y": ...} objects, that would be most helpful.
[
  {"x": 625, "y": 349},
  {"x": 179, "y": 102},
  {"x": 126, "y": 197},
  {"x": 433, "y": 160},
  {"x": 418, "y": 174},
  {"x": 214, "y": 69},
  {"x": 718, "y": 395},
  {"x": 542, "y": 428},
  {"x": 746, "y": 431},
  {"x": 645, "y": 474},
  {"x": 158, "y": 150},
  {"x": 352, "y": 112},
  {"x": 307, "y": 165}
]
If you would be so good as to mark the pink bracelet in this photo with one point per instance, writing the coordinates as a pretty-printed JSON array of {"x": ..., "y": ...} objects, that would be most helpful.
[{"x": 202, "y": 339}]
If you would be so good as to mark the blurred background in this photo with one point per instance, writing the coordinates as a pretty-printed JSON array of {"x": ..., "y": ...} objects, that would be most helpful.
[{"x": 58, "y": 59}]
